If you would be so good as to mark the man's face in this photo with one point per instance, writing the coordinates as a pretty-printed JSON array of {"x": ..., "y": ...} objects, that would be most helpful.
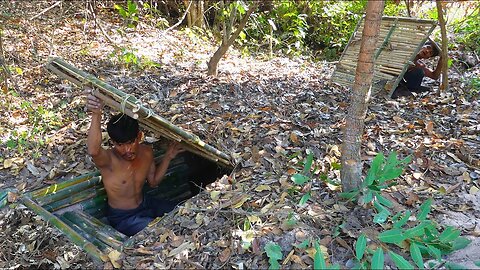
[
  {"x": 127, "y": 150},
  {"x": 426, "y": 52}
]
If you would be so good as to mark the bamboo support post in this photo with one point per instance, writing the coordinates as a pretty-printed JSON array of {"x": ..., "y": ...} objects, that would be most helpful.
[{"x": 76, "y": 238}]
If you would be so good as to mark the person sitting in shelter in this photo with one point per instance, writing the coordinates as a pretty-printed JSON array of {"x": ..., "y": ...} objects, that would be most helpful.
[
  {"x": 412, "y": 80},
  {"x": 124, "y": 169}
]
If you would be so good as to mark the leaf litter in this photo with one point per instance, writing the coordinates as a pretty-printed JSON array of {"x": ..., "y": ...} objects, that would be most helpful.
[{"x": 266, "y": 113}]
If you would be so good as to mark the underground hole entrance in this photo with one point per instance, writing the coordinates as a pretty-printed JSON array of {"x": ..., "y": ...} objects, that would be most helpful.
[{"x": 78, "y": 206}]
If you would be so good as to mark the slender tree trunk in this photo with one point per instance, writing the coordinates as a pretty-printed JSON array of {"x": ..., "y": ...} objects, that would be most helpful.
[
  {"x": 444, "y": 55},
  {"x": 351, "y": 172},
  {"x": 213, "y": 62}
]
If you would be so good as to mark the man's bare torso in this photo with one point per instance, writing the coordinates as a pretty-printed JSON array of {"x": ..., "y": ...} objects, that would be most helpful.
[{"x": 124, "y": 180}]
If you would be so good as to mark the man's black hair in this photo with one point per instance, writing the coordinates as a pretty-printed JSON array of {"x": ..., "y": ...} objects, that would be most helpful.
[
  {"x": 122, "y": 128},
  {"x": 435, "y": 49}
]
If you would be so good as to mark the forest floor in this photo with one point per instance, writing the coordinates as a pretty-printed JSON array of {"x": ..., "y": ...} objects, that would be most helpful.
[{"x": 266, "y": 113}]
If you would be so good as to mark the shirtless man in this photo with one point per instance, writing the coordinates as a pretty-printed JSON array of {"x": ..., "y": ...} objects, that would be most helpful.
[
  {"x": 412, "y": 80},
  {"x": 124, "y": 169}
]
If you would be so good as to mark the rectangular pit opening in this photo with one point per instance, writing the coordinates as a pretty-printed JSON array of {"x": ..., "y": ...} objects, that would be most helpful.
[{"x": 77, "y": 206}]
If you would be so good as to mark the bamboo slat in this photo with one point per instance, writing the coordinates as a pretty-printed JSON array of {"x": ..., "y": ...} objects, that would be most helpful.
[
  {"x": 76, "y": 238},
  {"x": 74, "y": 199},
  {"x": 63, "y": 184},
  {"x": 107, "y": 228},
  {"x": 68, "y": 191},
  {"x": 90, "y": 237},
  {"x": 93, "y": 230},
  {"x": 130, "y": 102}
]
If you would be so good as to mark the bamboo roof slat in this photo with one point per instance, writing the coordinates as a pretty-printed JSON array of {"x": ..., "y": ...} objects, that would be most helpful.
[
  {"x": 400, "y": 39},
  {"x": 122, "y": 101}
]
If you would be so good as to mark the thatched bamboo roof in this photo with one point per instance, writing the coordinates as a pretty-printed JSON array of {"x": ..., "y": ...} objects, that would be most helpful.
[{"x": 400, "y": 39}]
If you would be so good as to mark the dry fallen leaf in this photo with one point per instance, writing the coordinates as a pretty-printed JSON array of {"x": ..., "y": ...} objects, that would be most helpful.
[
  {"x": 115, "y": 258},
  {"x": 224, "y": 255}
]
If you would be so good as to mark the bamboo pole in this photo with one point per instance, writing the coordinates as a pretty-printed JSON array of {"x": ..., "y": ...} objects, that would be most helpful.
[
  {"x": 68, "y": 191},
  {"x": 76, "y": 238},
  {"x": 105, "y": 248},
  {"x": 129, "y": 101},
  {"x": 63, "y": 184},
  {"x": 96, "y": 212},
  {"x": 96, "y": 222},
  {"x": 96, "y": 201},
  {"x": 96, "y": 232},
  {"x": 74, "y": 199}
]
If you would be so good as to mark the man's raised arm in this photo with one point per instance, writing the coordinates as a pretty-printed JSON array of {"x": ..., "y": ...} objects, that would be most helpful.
[
  {"x": 157, "y": 173},
  {"x": 100, "y": 156}
]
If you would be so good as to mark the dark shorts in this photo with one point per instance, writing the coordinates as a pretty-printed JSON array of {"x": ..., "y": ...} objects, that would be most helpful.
[{"x": 130, "y": 222}]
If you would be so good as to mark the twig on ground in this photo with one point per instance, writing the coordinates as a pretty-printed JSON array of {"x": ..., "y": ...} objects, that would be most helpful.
[{"x": 45, "y": 10}]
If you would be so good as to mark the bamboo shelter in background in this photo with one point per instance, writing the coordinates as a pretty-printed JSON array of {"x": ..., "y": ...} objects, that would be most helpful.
[
  {"x": 400, "y": 39},
  {"x": 76, "y": 206}
]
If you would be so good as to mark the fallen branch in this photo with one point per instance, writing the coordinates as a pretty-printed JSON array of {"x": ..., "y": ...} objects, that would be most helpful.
[{"x": 45, "y": 10}]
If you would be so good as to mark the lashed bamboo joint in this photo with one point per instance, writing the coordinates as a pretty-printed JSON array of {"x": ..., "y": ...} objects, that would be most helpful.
[
  {"x": 77, "y": 206},
  {"x": 400, "y": 39}
]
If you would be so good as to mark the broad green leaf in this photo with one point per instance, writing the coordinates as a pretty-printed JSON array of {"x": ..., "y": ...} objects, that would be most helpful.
[
  {"x": 449, "y": 234},
  {"x": 360, "y": 246},
  {"x": 303, "y": 245},
  {"x": 416, "y": 255},
  {"x": 273, "y": 264},
  {"x": 435, "y": 252},
  {"x": 378, "y": 259},
  {"x": 460, "y": 242},
  {"x": 374, "y": 169},
  {"x": 299, "y": 179},
  {"x": 418, "y": 230},
  {"x": 334, "y": 267},
  {"x": 381, "y": 217},
  {"x": 393, "y": 236},
  {"x": 400, "y": 262},
  {"x": 273, "y": 251},
  {"x": 424, "y": 210},
  {"x": 304, "y": 198},
  {"x": 383, "y": 213},
  {"x": 398, "y": 224},
  {"x": 318, "y": 260},
  {"x": 384, "y": 201},
  {"x": 308, "y": 163},
  {"x": 477, "y": 263},
  {"x": 455, "y": 266},
  {"x": 349, "y": 195},
  {"x": 368, "y": 197}
]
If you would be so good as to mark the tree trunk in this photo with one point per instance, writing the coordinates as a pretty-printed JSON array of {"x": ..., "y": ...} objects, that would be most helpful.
[
  {"x": 195, "y": 13},
  {"x": 351, "y": 172},
  {"x": 444, "y": 54},
  {"x": 213, "y": 62}
]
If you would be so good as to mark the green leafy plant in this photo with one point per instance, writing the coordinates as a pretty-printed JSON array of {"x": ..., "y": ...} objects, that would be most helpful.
[
  {"x": 419, "y": 236},
  {"x": 274, "y": 253},
  {"x": 380, "y": 176},
  {"x": 130, "y": 13},
  {"x": 302, "y": 178}
]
